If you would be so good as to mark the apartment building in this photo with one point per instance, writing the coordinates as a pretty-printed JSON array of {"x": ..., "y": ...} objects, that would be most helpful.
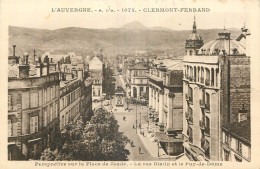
[
  {"x": 214, "y": 91},
  {"x": 165, "y": 104},
  {"x": 33, "y": 107}
]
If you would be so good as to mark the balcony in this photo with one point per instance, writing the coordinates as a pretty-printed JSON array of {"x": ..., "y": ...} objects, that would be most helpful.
[
  {"x": 190, "y": 139},
  {"x": 190, "y": 120},
  {"x": 202, "y": 104},
  {"x": 191, "y": 79},
  {"x": 186, "y": 115},
  {"x": 202, "y": 125},
  {"x": 207, "y": 131},
  {"x": 201, "y": 80},
  {"x": 207, "y": 107},
  {"x": 188, "y": 98},
  {"x": 207, "y": 82}
]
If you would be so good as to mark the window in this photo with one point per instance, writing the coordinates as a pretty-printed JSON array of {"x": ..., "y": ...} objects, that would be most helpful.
[
  {"x": 226, "y": 139},
  {"x": 34, "y": 100},
  {"x": 226, "y": 155},
  {"x": 207, "y": 105},
  {"x": 44, "y": 96},
  {"x": 57, "y": 91},
  {"x": 191, "y": 52},
  {"x": 63, "y": 103},
  {"x": 56, "y": 109},
  {"x": 207, "y": 128},
  {"x": 66, "y": 118},
  {"x": 34, "y": 124},
  {"x": 190, "y": 135},
  {"x": 190, "y": 115},
  {"x": 190, "y": 94},
  {"x": 238, "y": 159},
  {"x": 51, "y": 92},
  {"x": 48, "y": 94},
  {"x": 62, "y": 122},
  {"x": 239, "y": 147},
  {"x": 94, "y": 93},
  {"x": 98, "y": 92},
  {"x": 10, "y": 106},
  {"x": 10, "y": 128},
  {"x": 51, "y": 112},
  {"x": 45, "y": 117}
]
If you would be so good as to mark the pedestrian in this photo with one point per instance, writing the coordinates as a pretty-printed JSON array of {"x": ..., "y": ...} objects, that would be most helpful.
[
  {"x": 139, "y": 150},
  {"x": 133, "y": 126}
]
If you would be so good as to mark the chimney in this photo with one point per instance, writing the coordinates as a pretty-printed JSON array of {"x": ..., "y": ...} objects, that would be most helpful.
[
  {"x": 39, "y": 69},
  {"x": 58, "y": 65},
  {"x": 26, "y": 59},
  {"x": 24, "y": 67},
  {"x": 34, "y": 55},
  {"x": 14, "y": 50},
  {"x": 48, "y": 65}
]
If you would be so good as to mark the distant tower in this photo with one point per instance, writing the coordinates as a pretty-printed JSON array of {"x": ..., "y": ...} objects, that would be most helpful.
[{"x": 194, "y": 42}]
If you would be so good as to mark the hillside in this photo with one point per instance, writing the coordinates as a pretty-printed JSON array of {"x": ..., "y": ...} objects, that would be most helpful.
[{"x": 85, "y": 41}]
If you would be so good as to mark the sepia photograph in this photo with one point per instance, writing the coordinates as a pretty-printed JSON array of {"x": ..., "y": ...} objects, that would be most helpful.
[{"x": 136, "y": 84}]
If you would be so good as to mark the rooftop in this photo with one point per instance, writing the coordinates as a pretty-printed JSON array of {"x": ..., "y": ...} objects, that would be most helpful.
[{"x": 240, "y": 130}]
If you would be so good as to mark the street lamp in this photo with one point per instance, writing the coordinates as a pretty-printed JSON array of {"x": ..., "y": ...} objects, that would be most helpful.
[{"x": 140, "y": 119}]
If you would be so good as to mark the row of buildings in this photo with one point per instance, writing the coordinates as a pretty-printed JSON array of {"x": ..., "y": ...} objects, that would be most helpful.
[
  {"x": 200, "y": 106},
  {"x": 45, "y": 95}
]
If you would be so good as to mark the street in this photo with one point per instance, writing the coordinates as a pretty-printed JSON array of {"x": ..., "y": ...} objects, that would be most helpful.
[{"x": 126, "y": 126}]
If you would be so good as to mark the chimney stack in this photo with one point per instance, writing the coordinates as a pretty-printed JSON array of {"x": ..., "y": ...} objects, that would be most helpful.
[
  {"x": 26, "y": 59},
  {"x": 34, "y": 55},
  {"x": 48, "y": 65},
  {"x": 14, "y": 50}
]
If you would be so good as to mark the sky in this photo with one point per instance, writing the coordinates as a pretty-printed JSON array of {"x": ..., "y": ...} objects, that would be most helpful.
[{"x": 38, "y": 14}]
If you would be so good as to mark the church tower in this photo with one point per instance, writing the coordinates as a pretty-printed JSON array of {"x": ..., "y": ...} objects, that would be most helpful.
[{"x": 194, "y": 42}]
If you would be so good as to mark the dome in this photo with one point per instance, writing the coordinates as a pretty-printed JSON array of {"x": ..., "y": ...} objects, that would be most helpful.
[
  {"x": 216, "y": 47},
  {"x": 194, "y": 36}
]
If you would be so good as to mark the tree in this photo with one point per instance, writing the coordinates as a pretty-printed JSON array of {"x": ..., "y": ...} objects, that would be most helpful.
[{"x": 99, "y": 140}]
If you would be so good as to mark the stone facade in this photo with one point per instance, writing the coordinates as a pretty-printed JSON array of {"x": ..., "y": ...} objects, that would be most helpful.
[
  {"x": 165, "y": 104},
  {"x": 33, "y": 111}
]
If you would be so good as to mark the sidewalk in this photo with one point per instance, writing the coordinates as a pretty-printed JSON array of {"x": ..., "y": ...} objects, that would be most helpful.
[{"x": 151, "y": 145}]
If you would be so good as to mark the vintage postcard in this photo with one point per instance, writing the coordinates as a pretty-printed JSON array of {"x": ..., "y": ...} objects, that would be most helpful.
[{"x": 129, "y": 84}]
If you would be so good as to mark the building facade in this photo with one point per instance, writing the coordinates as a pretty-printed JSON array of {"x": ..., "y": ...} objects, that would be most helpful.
[
  {"x": 75, "y": 93},
  {"x": 165, "y": 104},
  {"x": 33, "y": 108},
  {"x": 96, "y": 68},
  {"x": 211, "y": 99},
  {"x": 139, "y": 81}
]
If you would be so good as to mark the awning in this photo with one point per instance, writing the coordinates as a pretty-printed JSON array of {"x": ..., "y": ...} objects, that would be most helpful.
[
  {"x": 33, "y": 140},
  {"x": 162, "y": 137}
]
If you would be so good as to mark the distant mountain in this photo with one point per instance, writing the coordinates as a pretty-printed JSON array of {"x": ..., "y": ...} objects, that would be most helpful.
[
  {"x": 136, "y": 25},
  {"x": 127, "y": 39}
]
